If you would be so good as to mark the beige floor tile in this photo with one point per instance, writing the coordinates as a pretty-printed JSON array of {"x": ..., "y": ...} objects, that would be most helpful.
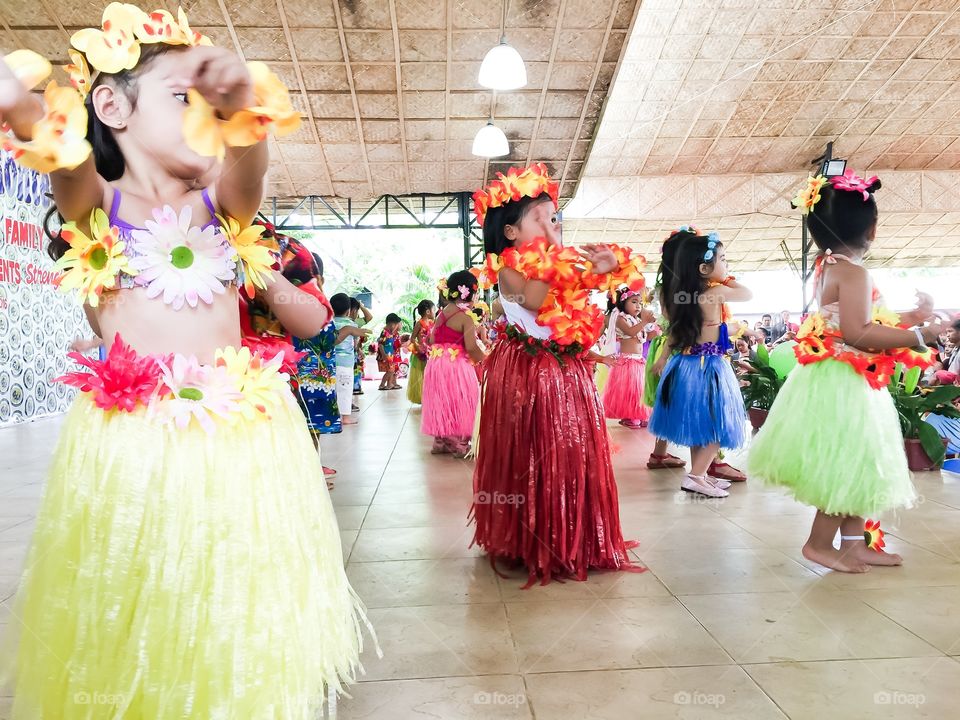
[
  {"x": 489, "y": 697},
  {"x": 920, "y": 568},
  {"x": 599, "y": 584},
  {"x": 414, "y": 544},
  {"x": 820, "y": 624},
  {"x": 451, "y": 513},
  {"x": 19, "y": 533},
  {"x": 609, "y": 634},
  {"x": 897, "y": 689},
  {"x": 441, "y": 641},
  {"x": 930, "y": 612},
  {"x": 348, "y": 539},
  {"x": 689, "y": 534},
  {"x": 691, "y": 693},
  {"x": 19, "y": 507},
  {"x": 424, "y": 582},
  {"x": 350, "y": 517},
  {"x": 727, "y": 571}
]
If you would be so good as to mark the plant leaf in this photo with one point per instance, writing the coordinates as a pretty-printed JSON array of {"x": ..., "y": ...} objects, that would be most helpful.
[{"x": 931, "y": 442}]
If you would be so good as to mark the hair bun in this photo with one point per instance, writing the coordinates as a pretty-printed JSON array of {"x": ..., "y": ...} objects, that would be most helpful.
[{"x": 874, "y": 186}]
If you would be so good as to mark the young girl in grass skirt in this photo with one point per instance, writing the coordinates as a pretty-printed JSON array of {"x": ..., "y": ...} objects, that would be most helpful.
[
  {"x": 544, "y": 491},
  {"x": 832, "y": 437},
  {"x": 451, "y": 390},
  {"x": 698, "y": 402},
  {"x": 419, "y": 347},
  {"x": 186, "y": 560}
]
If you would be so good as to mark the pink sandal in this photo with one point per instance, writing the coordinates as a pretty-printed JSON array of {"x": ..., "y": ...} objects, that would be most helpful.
[
  {"x": 722, "y": 471},
  {"x": 663, "y": 462}
]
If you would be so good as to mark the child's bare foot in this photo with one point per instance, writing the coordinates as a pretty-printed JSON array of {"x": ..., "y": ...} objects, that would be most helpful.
[
  {"x": 872, "y": 557},
  {"x": 834, "y": 559},
  {"x": 347, "y": 420}
]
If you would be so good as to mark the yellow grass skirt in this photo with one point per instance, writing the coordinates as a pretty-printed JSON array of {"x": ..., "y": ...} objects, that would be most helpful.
[{"x": 177, "y": 574}]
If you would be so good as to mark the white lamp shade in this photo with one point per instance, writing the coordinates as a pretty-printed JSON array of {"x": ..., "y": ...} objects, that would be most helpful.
[
  {"x": 490, "y": 142},
  {"x": 503, "y": 68}
]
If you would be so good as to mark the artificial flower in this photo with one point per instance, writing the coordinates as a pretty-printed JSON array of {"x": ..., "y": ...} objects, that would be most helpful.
[
  {"x": 160, "y": 27},
  {"x": 59, "y": 138},
  {"x": 873, "y": 535},
  {"x": 182, "y": 262},
  {"x": 813, "y": 325},
  {"x": 114, "y": 47},
  {"x": 851, "y": 182},
  {"x": 197, "y": 392},
  {"x": 123, "y": 380},
  {"x": 273, "y": 99},
  {"x": 809, "y": 195},
  {"x": 29, "y": 68},
  {"x": 270, "y": 347},
  {"x": 256, "y": 258},
  {"x": 79, "y": 73},
  {"x": 92, "y": 263},
  {"x": 193, "y": 37},
  {"x": 261, "y": 384},
  {"x": 529, "y": 182},
  {"x": 210, "y": 136},
  {"x": 883, "y": 316},
  {"x": 811, "y": 349}
]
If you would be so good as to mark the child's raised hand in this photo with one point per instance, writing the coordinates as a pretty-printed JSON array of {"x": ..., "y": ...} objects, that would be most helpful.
[
  {"x": 221, "y": 77},
  {"x": 600, "y": 257},
  {"x": 12, "y": 91},
  {"x": 924, "y": 305}
]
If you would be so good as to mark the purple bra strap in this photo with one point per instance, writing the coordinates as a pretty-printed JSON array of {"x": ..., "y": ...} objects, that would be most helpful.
[
  {"x": 205, "y": 194},
  {"x": 115, "y": 207}
]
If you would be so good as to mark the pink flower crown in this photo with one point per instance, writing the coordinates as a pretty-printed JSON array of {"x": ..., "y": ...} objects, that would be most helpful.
[{"x": 809, "y": 194}]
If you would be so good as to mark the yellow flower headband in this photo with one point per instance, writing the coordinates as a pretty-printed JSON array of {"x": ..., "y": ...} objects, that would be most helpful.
[{"x": 59, "y": 138}]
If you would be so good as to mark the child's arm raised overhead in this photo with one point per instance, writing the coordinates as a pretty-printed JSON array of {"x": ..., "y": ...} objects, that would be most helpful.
[
  {"x": 76, "y": 192},
  {"x": 223, "y": 80}
]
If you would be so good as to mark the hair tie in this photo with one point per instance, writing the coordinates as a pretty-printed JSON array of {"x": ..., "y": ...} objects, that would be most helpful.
[{"x": 712, "y": 241}]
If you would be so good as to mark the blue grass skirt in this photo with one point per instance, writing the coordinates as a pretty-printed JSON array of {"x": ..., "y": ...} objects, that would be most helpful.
[{"x": 699, "y": 403}]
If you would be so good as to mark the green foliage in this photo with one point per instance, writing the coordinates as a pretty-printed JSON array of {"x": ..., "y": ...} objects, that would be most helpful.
[
  {"x": 914, "y": 403},
  {"x": 763, "y": 383}
]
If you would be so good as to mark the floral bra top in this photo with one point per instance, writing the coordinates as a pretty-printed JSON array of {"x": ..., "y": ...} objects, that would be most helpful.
[
  {"x": 819, "y": 337},
  {"x": 170, "y": 257}
]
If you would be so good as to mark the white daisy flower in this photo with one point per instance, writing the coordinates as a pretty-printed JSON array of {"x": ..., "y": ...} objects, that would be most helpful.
[
  {"x": 183, "y": 263},
  {"x": 198, "y": 391}
]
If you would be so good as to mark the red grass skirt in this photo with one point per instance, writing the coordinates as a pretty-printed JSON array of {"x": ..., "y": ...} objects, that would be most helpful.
[
  {"x": 544, "y": 491},
  {"x": 623, "y": 395}
]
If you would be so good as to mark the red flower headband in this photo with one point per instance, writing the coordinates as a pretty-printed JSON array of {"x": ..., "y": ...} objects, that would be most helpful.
[{"x": 518, "y": 183}]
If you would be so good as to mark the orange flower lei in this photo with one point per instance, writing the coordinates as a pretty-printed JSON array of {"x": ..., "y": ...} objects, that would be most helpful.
[
  {"x": 567, "y": 309},
  {"x": 817, "y": 340},
  {"x": 518, "y": 183}
]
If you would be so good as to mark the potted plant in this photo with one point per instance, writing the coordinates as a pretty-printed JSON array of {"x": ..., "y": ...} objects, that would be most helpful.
[
  {"x": 924, "y": 447},
  {"x": 759, "y": 385}
]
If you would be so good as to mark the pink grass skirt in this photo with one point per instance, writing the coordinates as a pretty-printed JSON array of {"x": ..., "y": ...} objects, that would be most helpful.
[
  {"x": 451, "y": 393},
  {"x": 623, "y": 395}
]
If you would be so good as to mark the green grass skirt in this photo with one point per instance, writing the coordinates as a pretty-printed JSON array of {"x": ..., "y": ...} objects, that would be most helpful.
[{"x": 834, "y": 443}]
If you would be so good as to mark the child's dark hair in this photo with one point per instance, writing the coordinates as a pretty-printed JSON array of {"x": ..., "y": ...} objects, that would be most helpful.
[
  {"x": 422, "y": 308},
  {"x": 393, "y": 318},
  {"x": 842, "y": 219},
  {"x": 620, "y": 300},
  {"x": 340, "y": 304},
  {"x": 683, "y": 286},
  {"x": 354, "y": 304},
  {"x": 462, "y": 278},
  {"x": 667, "y": 255},
  {"x": 497, "y": 218}
]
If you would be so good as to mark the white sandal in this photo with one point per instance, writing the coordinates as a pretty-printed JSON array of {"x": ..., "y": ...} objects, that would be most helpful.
[{"x": 700, "y": 486}]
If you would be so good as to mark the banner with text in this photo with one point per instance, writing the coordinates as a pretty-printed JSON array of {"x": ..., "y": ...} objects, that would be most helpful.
[{"x": 37, "y": 321}]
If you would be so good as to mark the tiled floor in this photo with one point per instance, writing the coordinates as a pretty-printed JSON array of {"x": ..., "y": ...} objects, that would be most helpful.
[{"x": 729, "y": 622}]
